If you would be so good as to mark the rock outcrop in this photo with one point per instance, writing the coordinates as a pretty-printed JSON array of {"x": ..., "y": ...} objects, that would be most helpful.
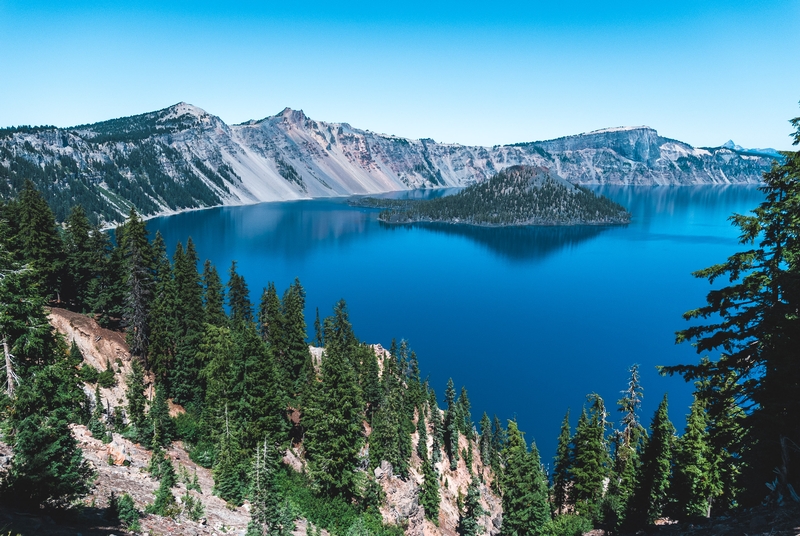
[{"x": 182, "y": 157}]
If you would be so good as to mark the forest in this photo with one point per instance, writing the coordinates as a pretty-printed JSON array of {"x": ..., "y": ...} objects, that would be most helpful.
[
  {"x": 519, "y": 195},
  {"x": 251, "y": 387}
]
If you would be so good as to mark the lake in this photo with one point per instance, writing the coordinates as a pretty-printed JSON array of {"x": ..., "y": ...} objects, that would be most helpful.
[{"x": 529, "y": 319}]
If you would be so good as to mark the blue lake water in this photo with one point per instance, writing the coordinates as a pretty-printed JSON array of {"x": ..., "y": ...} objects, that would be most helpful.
[{"x": 529, "y": 319}]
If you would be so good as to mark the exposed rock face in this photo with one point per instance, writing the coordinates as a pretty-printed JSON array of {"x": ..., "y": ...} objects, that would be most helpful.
[{"x": 183, "y": 157}]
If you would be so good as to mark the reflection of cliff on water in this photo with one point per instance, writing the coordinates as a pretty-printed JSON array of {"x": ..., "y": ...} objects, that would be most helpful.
[{"x": 517, "y": 243}]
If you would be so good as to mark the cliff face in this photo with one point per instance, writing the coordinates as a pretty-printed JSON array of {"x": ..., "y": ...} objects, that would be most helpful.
[{"x": 183, "y": 157}]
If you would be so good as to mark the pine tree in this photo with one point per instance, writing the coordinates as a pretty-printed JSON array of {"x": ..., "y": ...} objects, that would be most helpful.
[
  {"x": 334, "y": 434},
  {"x": 79, "y": 256},
  {"x": 370, "y": 381},
  {"x": 422, "y": 435},
  {"x": 230, "y": 469},
  {"x": 693, "y": 483},
  {"x": 136, "y": 399},
  {"x": 591, "y": 460},
  {"x": 270, "y": 318},
  {"x": 486, "y": 440},
  {"x": 650, "y": 495},
  {"x": 755, "y": 326},
  {"x": 562, "y": 469},
  {"x": 138, "y": 268},
  {"x": 429, "y": 494},
  {"x": 270, "y": 512},
  {"x": 213, "y": 296},
  {"x": 163, "y": 428},
  {"x": 525, "y": 507},
  {"x": 468, "y": 518},
  {"x": 297, "y": 356},
  {"x": 162, "y": 315},
  {"x": 318, "y": 341},
  {"x": 189, "y": 323},
  {"x": 39, "y": 240},
  {"x": 48, "y": 468},
  {"x": 451, "y": 425},
  {"x": 106, "y": 289},
  {"x": 499, "y": 439},
  {"x": 238, "y": 298},
  {"x": 97, "y": 424},
  {"x": 437, "y": 428}
]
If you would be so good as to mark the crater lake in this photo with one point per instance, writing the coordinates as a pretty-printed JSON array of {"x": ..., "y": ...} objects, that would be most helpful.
[{"x": 529, "y": 319}]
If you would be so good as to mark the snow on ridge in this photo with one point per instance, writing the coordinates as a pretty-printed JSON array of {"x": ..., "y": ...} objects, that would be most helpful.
[
  {"x": 616, "y": 129},
  {"x": 183, "y": 108}
]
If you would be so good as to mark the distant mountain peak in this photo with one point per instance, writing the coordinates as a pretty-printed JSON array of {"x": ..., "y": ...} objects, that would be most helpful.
[{"x": 184, "y": 108}]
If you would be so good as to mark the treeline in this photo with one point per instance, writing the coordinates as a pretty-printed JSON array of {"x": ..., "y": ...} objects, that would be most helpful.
[{"x": 519, "y": 195}]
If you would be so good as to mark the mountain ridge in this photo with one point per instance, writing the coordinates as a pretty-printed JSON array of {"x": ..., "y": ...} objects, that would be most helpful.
[{"x": 183, "y": 157}]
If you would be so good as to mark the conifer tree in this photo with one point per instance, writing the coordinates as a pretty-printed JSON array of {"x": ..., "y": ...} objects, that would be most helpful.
[
  {"x": 465, "y": 423},
  {"x": 189, "y": 323},
  {"x": 486, "y": 440},
  {"x": 47, "y": 468},
  {"x": 297, "y": 356},
  {"x": 693, "y": 483},
  {"x": 163, "y": 428},
  {"x": 370, "y": 381},
  {"x": 451, "y": 425},
  {"x": 525, "y": 508},
  {"x": 591, "y": 460},
  {"x": 422, "y": 435},
  {"x": 162, "y": 316},
  {"x": 138, "y": 277},
  {"x": 39, "y": 240},
  {"x": 650, "y": 495},
  {"x": 270, "y": 512},
  {"x": 562, "y": 469},
  {"x": 499, "y": 439},
  {"x": 97, "y": 424},
  {"x": 213, "y": 296},
  {"x": 468, "y": 518},
  {"x": 238, "y": 298},
  {"x": 318, "y": 341},
  {"x": 230, "y": 469},
  {"x": 106, "y": 289},
  {"x": 137, "y": 401},
  {"x": 78, "y": 249},
  {"x": 429, "y": 494},
  {"x": 270, "y": 319},
  {"x": 334, "y": 434},
  {"x": 437, "y": 428}
]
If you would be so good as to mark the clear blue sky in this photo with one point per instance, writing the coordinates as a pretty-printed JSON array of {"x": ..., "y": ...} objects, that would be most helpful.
[{"x": 474, "y": 73}]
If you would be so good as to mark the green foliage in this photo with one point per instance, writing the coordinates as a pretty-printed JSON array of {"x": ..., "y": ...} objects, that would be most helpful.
[
  {"x": 468, "y": 516},
  {"x": 591, "y": 461},
  {"x": 525, "y": 493},
  {"x": 163, "y": 428},
  {"x": 567, "y": 525},
  {"x": 164, "y": 503},
  {"x": 753, "y": 323},
  {"x": 451, "y": 425},
  {"x": 238, "y": 298},
  {"x": 650, "y": 495},
  {"x": 562, "y": 468},
  {"x": 137, "y": 401},
  {"x": 125, "y": 512},
  {"x": 334, "y": 432},
  {"x": 270, "y": 512},
  {"x": 106, "y": 378},
  {"x": 519, "y": 195},
  {"x": 230, "y": 471},
  {"x": 192, "y": 508},
  {"x": 213, "y": 296},
  {"x": 88, "y": 373}
]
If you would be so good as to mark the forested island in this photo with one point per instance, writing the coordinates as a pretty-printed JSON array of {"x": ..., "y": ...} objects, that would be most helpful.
[
  {"x": 519, "y": 195},
  {"x": 206, "y": 408}
]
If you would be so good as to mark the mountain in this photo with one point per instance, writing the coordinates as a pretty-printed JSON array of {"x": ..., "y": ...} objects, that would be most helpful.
[{"x": 182, "y": 158}]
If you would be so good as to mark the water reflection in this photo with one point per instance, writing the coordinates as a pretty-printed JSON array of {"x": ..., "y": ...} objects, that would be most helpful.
[{"x": 516, "y": 243}]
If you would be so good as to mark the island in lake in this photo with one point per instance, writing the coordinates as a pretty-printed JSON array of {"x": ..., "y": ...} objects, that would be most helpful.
[{"x": 519, "y": 195}]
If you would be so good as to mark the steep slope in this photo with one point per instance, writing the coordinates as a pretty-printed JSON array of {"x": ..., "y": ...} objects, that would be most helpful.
[{"x": 182, "y": 157}]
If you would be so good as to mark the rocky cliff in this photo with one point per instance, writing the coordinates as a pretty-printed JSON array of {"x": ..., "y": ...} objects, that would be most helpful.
[{"x": 182, "y": 157}]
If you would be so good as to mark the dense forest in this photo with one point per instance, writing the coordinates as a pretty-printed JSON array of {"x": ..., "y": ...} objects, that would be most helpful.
[
  {"x": 251, "y": 387},
  {"x": 519, "y": 195}
]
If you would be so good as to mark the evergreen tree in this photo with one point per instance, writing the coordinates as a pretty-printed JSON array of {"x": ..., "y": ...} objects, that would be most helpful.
[
  {"x": 486, "y": 440},
  {"x": 318, "y": 341},
  {"x": 138, "y": 268},
  {"x": 97, "y": 424},
  {"x": 650, "y": 495},
  {"x": 468, "y": 518},
  {"x": 79, "y": 258},
  {"x": 106, "y": 289},
  {"x": 429, "y": 494},
  {"x": 437, "y": 428},
  {"x": 189, "y": 323},
  {"x": 499, "y": 439},
  {"x": 213, "y": 296},
  {"x": 465, "y": 423},
  {"x": 297, "y": 357},
  {"x": 370, "y": 381},
  {"x": 755, "y": 326},
  {"x": 39, "y": 240},
  {"x": 270, "y": 318},
  {"x": 591, "y": 460},
  {"x": 238, "y": 298},
  {"x": 48, "y": 468},
  {"x": 162, "y": 315},
  {"x": 270, "y": 512},
  {"x": 422, "y": 435},
  {"x": 693, "y": 483},
  {"x": 525, "y": 508},
  {"x": 451, "y": 425},
  {"x": 136, "y": 399},
  {"x": 230, "y": 470},
  {"x": 562, "y": 470},
  {"x": 334, "y": 433},
  {"x": 163, "y": 428}
]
